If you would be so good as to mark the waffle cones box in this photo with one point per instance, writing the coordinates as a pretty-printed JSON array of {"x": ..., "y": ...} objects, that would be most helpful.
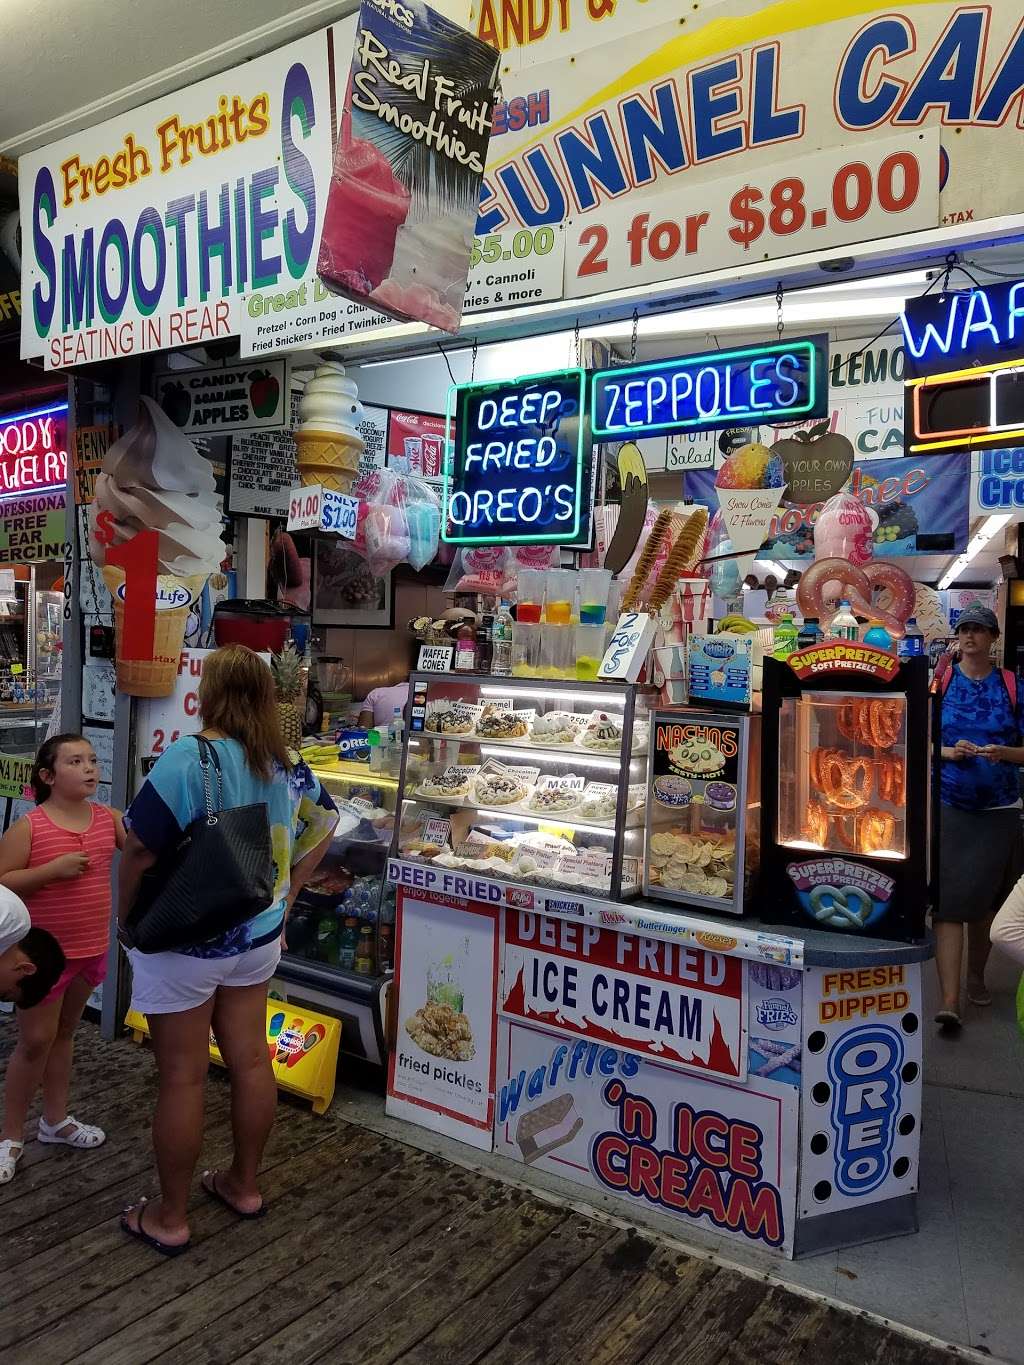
[
  {"x": 154, "y": 479},
  {"x": 175, "y": 598},
  {"x": 327, "y": 440}
]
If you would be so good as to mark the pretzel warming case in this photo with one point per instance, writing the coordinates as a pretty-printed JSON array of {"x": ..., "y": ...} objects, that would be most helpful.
[{"x": 847, "y": 796}]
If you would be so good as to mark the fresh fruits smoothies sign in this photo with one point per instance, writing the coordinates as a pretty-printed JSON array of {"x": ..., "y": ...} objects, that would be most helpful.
[{"x": 217, "y": 398}]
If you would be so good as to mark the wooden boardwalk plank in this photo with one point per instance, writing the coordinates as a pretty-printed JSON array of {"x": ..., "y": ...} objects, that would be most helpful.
[
  {"x": 357, "y": 1300},
  {"x": 410, "y": 1315},
  {"x": 372, "y": 1253},
  {"x": 484, "y": 1318},
  {"x": 103, "y": 1260}
]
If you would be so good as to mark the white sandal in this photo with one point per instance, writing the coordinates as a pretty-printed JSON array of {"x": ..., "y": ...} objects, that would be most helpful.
[
  {"x": 10, "y": 1155},
  {"x": 82, "y": 1135}
]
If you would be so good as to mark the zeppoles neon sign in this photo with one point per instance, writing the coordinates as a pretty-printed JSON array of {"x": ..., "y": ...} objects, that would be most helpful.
[
  {"x": 781, "y": 381},
  {"x": 964, "y": 369}
]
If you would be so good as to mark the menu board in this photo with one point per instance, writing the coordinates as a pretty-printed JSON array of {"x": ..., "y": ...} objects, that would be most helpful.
[{"x": 263, "y": 469}]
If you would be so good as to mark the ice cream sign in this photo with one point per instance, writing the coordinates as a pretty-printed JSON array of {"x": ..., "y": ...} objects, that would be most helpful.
[
  {"x": 780, "y": 382},
  {"x": 515, "y": 471},
  {"x": 33, "y": 450}
]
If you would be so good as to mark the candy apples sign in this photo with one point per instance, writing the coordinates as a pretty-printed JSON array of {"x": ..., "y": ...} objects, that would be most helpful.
[
  {"x": 816, "y": 463},
  {"x": 218, "y": 399}
]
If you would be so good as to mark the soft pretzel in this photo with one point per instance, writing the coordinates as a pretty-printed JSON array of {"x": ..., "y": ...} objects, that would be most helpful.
[
  {"x": 876, "y": 830},
  {"x": 815, "y": 829}
]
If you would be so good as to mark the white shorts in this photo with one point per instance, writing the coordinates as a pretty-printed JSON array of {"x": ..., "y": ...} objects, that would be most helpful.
[{"x": 170, "y": 983}]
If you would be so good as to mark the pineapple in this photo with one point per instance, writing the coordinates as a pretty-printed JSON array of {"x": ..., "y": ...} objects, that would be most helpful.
[{"x": 287, "y": 670}]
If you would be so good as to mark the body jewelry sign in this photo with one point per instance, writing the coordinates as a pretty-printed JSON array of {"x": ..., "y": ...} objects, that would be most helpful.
[{"x": 516, "y": 471}]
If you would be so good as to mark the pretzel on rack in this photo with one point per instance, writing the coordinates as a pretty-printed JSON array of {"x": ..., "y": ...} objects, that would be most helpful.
[
  {"x": 876, "y": 830},
  {"x": 815, "y": 829},
  {"x": 890, "y": 779},
  {"x": 873, "y": 722},
  {"x": 885, "y": 720},
  {"x": 844, "y": 831},
  {"x": 844, "y": 782}
]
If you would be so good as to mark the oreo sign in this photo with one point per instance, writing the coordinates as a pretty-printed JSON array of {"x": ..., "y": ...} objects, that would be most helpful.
[{"x": 864, "y": 1068}]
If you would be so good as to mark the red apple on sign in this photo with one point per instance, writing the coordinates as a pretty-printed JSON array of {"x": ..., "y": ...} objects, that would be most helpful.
[
  {"x": 263, "y": 392},
  {"x": 815, "y": 463}
]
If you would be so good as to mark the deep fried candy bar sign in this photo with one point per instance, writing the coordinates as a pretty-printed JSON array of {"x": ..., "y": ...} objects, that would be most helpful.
[{"x": 402, "y": 206}]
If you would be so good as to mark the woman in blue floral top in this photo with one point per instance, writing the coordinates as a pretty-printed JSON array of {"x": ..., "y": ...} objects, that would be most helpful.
[
  {"x": 981, "y": 849},
  {"x": 221, "y": 984}
]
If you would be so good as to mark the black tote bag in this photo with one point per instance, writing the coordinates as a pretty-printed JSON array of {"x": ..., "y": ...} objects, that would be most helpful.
[{"x": 220, "y": 874}]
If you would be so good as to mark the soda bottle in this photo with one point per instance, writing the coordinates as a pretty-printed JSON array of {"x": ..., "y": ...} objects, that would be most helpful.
[
  {"x": 810, "y": 633},
  {"x": 501, "y": 642},
  {"x": 844, "y": 623},
  {"x": 349, "y": 942},
  {"x": 327, "y": 938},
  {"x": 386, "y": 948},
  {"x": 364, "y": 952},
  {"x": 877, "y": 635},
  {"x": 785, "y": 637},
  {"x": 912, "y": 643}
]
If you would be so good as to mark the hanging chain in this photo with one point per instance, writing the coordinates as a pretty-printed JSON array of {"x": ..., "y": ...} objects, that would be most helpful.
[
  {"x": 780, "y": 326},
  {"x": 472, "y": 360},
  {"x": 576, "y": 343},
  {"x": 632, "y": 339}
]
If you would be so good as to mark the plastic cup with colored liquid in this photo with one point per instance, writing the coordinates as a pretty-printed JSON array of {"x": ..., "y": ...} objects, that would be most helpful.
[
  {"x": 590, "y": 640},
  {"x": 561, "y": 589},
  {"x": 529, "y": 596},
  {"x": 595, "y": 585}
]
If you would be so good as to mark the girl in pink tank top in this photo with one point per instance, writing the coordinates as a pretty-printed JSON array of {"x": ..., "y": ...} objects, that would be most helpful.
[{"x": 58, "y": 860}]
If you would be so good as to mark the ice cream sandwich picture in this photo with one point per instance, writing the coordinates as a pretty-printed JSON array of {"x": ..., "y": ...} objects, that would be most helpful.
[{"x": 550, "y": 1125}]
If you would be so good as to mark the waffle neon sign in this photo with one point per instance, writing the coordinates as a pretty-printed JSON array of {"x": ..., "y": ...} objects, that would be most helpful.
[{"x": 964, "y": 369}]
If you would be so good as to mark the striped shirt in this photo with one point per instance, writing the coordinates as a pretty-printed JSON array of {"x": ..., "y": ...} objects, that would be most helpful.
[{"x": 75, "y": 911}]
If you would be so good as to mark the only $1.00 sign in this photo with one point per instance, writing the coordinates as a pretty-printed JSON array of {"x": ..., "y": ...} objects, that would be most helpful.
[{"x": 516, "y": 473}]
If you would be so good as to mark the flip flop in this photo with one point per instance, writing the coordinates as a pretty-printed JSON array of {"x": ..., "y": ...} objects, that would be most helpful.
[
  {"x": 949, "y": 1020},
  {"x": 141, "y": 1235},
  {"x": 979, "y": 994},
  {"x": 208, "y": 1180}
]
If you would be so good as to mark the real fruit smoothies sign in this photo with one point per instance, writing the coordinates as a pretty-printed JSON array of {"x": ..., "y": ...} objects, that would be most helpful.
[
  {"x": 216, "y": 399},
  {"x": 515, "y": 473},
  {"x": 780, "y": 381},
  {"x": 146, "y": 232}
]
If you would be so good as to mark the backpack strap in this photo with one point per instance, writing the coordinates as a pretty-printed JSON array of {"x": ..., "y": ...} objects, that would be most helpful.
[{"x": 1010, "y": 683}]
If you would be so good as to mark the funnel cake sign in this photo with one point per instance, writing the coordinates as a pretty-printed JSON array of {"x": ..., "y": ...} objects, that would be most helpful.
[
  {"x": 676, "y": 1004},
  {"x": 402, "y": 205}
]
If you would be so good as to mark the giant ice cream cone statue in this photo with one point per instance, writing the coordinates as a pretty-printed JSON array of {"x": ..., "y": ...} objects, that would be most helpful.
[
  {"x": 750, "y": 488},
  {"x": 154, "y": 479},
  {"x": 328, "y": 441}
]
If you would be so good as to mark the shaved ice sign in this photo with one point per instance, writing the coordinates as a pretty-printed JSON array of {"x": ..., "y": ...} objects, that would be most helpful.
[{"x": 402, "y": 205}]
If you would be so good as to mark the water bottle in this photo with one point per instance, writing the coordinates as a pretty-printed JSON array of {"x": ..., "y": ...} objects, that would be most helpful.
[
  {"x": 912, "y": 643},
  {"x": 349, "y": 943},
  {"x": 501, "y": 640},
  {"x": 844, "y": 623}
]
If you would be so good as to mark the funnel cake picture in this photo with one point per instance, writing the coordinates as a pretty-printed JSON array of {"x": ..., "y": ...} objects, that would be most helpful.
[{"x": 442, "y": 1031}]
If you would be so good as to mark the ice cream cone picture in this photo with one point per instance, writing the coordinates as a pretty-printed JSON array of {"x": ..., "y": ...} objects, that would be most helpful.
[
  {"x": 154, "y": 533},
  {"x": 328, "y": 440}
]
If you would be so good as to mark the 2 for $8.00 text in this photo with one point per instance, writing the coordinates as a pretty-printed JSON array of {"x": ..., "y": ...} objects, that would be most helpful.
[{"x": 780, "y": 209}]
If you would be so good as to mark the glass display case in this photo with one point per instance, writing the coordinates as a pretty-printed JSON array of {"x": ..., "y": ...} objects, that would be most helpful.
[
  {"x": 702, "y": 835},
  {"x": 31, "y": 622},
  {"x": 527, "y": 780},
  {"x": 843, "y": 773},
  {"x": 849, "y": 801},
  {"x": 344, "y": 918}
]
